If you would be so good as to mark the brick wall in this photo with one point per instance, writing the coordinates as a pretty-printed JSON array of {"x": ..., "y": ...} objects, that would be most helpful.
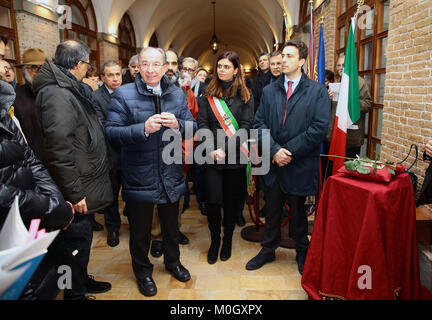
[
  {"x": 36, "y": 32},
  {"x": 407, "y": 113},
  {"x": 327, "y": 10},
  {"x": 108, "y": 51}
]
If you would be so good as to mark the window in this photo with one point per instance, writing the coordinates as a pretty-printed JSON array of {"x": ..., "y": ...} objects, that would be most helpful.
[
  {"x": 127, "y": 40},
  {"x": 371, "y": 44},
  {"x": 7, "y": 28},
  {"x": 84, "y": 27}
]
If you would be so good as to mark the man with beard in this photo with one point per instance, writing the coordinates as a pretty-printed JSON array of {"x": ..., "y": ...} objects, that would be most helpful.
[{"x": 25, "y": 102}]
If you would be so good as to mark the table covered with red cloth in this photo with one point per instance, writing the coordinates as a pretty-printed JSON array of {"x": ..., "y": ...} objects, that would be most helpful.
[{"x": 363, "y": 224}]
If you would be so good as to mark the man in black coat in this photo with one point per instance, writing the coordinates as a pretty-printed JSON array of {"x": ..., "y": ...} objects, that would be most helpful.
[
  {"x": 129, "y": 76},
  {"x": 296, "y": 111},
  {"x": 75, "y": 151},
  {"x": 25, "y": 102},
  {"x": 111, "y": 78},
  {"x": 263, "y": 78}
]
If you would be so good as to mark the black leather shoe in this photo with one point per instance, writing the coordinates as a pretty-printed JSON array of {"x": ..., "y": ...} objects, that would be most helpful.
[
  {"x": 147, "y": 286},
  {"x": 179, "y": 272},
  {"x": 113, "y": 239},
  {"x": 240, "y": 220},
  {"x": 94, "y": 286},
  {"x": 203, "y": 208},
  {"x": 225, "y": 253},
  {"x": 182, "y": 239},
  {"x": 213, "y": 252},
  {"x": 96, "y": 226},
  {"x": 301, "y": 259},
  {"x": 260, "y": 260},
  {"x": 156, "y": 248}
]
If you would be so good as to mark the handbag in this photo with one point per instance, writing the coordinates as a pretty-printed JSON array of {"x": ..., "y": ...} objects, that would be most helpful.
[{"x": 413, "y": 176}]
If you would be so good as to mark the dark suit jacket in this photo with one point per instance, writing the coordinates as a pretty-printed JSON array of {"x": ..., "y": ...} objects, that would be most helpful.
[
  {"x": 103, "y": 100},
  {"x": 306, "y": 126}
]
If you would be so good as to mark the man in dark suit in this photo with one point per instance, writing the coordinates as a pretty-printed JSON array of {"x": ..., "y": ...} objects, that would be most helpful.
[
  {"x": 112, "y": 79},
  {"x": 296, "y": 111}
]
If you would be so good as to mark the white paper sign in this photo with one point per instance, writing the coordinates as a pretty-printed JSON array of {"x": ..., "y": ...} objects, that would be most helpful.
[{"x": 335, "y": 87}]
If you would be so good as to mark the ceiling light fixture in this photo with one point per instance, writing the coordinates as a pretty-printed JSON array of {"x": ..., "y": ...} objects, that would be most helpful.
[{"x": 214, "y": 42}]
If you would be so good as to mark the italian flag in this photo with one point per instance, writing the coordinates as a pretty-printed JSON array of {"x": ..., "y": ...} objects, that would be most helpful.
[{"x": 348, "y": 107}]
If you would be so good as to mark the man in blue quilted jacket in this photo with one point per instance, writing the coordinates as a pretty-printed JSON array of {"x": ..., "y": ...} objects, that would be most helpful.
[{"x": 136, "y": 123}]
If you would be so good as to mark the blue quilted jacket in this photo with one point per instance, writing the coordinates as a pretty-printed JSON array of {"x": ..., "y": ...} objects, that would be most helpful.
[{"x": 145, "y": 176}]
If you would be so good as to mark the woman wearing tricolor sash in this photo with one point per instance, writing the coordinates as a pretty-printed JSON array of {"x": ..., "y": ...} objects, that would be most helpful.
[{"x": 227, "y": 107}]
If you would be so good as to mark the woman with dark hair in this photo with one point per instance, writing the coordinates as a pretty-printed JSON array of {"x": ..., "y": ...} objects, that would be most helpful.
[{"x": 228, "y": 106}]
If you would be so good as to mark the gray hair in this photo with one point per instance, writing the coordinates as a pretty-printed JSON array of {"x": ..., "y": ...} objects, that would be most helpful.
[
  {"x": 134, "y": 60},
  {"x": 160, "y": 50},
  {"x": 110, "y": 63},
  {"x": 190, "y": 59},
  {"x": 70, "y": 52}
]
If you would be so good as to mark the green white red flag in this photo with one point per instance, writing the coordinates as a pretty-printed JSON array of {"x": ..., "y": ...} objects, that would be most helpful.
[{"x": 348, "y": 107}]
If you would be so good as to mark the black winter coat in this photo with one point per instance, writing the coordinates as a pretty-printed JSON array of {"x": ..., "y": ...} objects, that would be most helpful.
[
  {"x": 244, "y": 115},
  {"x": 74, "y": 141},
  {"x": 257, "y": 85},
  {"x": 25, "y": 111},
  {"x": 23, "y": 175}
]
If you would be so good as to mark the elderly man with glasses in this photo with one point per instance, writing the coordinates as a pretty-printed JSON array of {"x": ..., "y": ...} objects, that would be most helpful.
[
  {"x": 140, "y": 115},
  {"x": 7, "y": 72}
]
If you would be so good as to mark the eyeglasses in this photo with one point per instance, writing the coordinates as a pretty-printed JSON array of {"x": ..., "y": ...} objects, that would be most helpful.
[
  {"x": 89, "y": 66},
  {"x": 156, "y": 66},
  {"x": 34, "y": 67},
  {"x": 224, "y": 66},
  {"x": 189, "y": 70},
  {"x": 7, "y": 68}
]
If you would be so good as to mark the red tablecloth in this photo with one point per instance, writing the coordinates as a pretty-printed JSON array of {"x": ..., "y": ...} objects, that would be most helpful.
[{"x": 364, "y": 223}]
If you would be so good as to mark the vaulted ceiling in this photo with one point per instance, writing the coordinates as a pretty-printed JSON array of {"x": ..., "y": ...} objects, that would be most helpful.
[{"x": 245, "y": 26}]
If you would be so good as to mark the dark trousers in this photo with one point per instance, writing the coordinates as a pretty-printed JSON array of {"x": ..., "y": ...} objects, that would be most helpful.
[
  {"x": 222, "y": 191},
  {"x": 199, "y": 182},
  {"x": 243, "y": 196},
  {"x": 111, "y": 213},
  {"x": 275, "y": 200},
  {"x": 140, "y": 215},
  {"x": 75, "y": 239}
]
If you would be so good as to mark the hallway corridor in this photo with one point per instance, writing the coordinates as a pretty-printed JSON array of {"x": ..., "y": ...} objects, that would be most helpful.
[{"x": 227, "y": 280}]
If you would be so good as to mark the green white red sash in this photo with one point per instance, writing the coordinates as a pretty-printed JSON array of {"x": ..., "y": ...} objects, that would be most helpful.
[{"x": 230, "y": 126}]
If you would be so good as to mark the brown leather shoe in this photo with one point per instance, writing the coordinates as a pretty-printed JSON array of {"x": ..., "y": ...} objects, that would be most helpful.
[{"x": 113, "y": 239}]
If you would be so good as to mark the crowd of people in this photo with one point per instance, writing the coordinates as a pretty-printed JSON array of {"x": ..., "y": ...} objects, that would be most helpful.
[{"x": 71, "y": 138}]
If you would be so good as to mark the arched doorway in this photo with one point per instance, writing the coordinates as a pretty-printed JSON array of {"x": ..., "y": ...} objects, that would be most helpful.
[{"x": 127, "y": 38}]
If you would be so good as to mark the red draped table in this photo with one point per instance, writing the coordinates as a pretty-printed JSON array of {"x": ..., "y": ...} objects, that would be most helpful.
[{"x": 364, "y": 231}]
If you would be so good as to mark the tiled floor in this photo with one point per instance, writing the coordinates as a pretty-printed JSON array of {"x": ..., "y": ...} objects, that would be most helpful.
[{"x": 278, "y": 280}]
